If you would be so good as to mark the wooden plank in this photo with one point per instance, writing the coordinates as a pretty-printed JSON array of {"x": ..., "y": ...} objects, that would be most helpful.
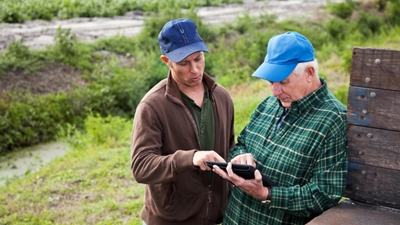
[
  {"x": 375, "y": 68},
  {"x": 374, "y": 147},
  {"x": 374, "y": 108},
  {"x": 373, "y": 185},
  {"x": 356, "y": 213}
]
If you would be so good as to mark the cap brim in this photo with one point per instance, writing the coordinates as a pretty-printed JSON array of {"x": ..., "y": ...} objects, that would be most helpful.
[
  {"x": 181, "y": 53},
  {"x": 274, "y": 72}
]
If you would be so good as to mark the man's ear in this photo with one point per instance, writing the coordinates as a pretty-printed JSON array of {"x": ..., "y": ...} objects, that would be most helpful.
[
  {"x": 165, "y": 59},
  {"x": 310, "y": 73}
]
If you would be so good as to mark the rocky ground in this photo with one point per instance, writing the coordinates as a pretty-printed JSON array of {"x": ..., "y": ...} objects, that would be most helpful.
[{"x": 37, "y": 34}]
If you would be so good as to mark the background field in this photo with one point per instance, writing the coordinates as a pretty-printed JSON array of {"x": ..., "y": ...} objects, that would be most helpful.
[{"x": 90, "y": 91}]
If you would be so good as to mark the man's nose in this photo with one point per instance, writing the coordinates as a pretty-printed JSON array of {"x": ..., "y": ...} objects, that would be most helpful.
[
  {"x": 276, "y": 88},
  {"x": 194, "y": 67}
]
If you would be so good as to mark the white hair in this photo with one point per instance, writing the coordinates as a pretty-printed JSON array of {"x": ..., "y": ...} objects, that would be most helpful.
[{"x": 302, "y": 66}]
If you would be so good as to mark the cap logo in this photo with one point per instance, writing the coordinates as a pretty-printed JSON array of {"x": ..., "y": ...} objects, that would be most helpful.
[{"x": 182, "y": 32}]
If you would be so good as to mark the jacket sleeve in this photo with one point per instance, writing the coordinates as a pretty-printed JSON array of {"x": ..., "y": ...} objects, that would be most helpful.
[{"x": 148, "y": 165}]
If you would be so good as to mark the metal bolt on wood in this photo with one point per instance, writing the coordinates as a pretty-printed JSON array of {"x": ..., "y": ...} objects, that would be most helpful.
[
  {"x": 372, "y": 94},
  {"x": 377, "y": 61},
  {"x": 367, "y": 80},
  {"x": 369, "y": 135}
]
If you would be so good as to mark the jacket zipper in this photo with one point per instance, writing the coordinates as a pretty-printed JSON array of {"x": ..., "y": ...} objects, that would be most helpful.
[{"x": 209, "y": 202}]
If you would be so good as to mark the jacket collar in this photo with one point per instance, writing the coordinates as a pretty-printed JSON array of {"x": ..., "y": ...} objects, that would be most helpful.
[{"x": 172, "y": 89}]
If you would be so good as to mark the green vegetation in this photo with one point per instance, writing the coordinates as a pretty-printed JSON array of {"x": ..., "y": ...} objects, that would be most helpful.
[
  {"x": 92, "y": 184},
  {"x": 18, "y": 11},
  {"x": 117, "y": 71}
]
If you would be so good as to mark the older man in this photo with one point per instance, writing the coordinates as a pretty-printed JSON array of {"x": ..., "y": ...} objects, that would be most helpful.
[{"x": 297, "y": 138}]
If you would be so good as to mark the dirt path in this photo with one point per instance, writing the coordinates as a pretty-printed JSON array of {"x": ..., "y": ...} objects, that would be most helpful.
[{"x": 38, "y": 34}]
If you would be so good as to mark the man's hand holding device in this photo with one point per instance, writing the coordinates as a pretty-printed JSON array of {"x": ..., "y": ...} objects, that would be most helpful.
[
  {"x": 244, "y": 171},
  {"x": 246, "y": 177}
]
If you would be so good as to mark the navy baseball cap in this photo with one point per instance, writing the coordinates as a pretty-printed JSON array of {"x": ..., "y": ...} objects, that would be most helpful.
[
  {"x": 284, "y": 52},
  {"x": 179, "y": 38}
]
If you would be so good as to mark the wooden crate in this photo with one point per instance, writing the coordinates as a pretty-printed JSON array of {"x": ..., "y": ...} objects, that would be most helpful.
[{"x": 373, "y": 118}]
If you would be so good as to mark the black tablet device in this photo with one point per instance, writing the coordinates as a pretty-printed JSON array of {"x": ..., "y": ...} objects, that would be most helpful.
[{"x": 243, "y": 170}]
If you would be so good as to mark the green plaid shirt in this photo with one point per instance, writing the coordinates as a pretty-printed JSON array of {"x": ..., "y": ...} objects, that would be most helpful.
[{"x": 307, "y": 157}]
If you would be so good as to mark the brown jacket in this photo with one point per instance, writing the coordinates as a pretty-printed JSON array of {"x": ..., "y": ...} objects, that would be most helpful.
[{"x": 164, "y": 139}]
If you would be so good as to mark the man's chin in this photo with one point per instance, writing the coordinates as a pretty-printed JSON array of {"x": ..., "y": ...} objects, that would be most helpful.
[{"x": 286, "y": 104}]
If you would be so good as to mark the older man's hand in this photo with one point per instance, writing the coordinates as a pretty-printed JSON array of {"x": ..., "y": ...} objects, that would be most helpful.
[{"x": 253, "y": 187}]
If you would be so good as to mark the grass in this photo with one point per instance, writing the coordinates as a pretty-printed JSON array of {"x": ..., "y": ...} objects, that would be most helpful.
[
  {"x": 84, "y": 187},
  {"x": 91, "y": 184},
  {"x": 246, "y": 97}
]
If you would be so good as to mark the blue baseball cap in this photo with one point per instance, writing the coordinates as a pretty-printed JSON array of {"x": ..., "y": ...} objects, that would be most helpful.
[
  {"x": 284, "y": 52},
  {"x": 179, "y": 38}
]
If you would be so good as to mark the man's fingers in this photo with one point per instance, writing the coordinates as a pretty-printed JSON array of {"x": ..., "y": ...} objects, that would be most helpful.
[
  {"x": 244, "y": 159},
  {"x": 257, "y": 175},
  {"x": 229, "y": 169},
  {"x": 219, "y": 158},
  {"x": 219, "y": 171},
  {"x": 204, "y": 167},
  {"x": 200, "y": 159},
  {"x": 233, "y": 177}
]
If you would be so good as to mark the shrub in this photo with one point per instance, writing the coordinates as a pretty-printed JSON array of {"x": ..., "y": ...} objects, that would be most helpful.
[
  {"x": 100, "y": 131},
  {"x": 17, "y": 11},
  {"x": 11, "y": 12},
  {"x": 18, "y": 57},
  {"x": 343, "y": 9},
  {"x": 337, "y": 28},
  {"x": 69, "y": 51},
  {"x": 369, "y": 24},
  {"x": 117, "y": 44},
  {"x": 393, "y": 11},
  {"x": 29, "y": 120},
  {"x": 233, "y": 58}
]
